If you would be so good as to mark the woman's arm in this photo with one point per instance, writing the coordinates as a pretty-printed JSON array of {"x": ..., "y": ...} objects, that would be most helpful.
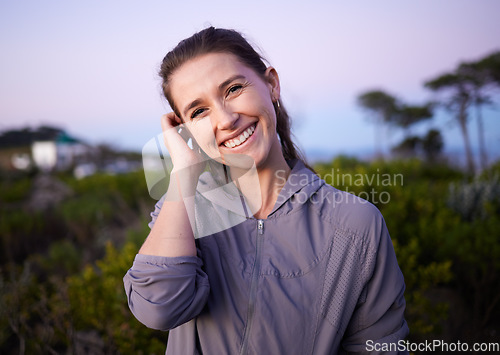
[
  {"x": 378, "y": 319},
  {"x": 166, "y": 285},
  {"x": 165, "y": 292},
  {"x": 173, "y": 233}
]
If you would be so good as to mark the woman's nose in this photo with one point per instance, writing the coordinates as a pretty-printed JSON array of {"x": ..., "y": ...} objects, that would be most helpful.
[{"x": 226, "y": 118}]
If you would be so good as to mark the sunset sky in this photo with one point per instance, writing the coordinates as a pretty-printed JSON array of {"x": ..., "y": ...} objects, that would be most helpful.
[{"x": 90, "y": 66}]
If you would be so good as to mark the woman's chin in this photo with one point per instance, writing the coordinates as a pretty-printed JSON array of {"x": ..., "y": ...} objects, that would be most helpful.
[
  {"x": 241, "y": 161},
  {"x": 233, "y": 160}
]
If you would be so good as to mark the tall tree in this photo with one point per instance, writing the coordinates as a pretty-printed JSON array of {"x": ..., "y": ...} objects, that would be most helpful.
[
  {"x": 408, "y": 115},
  {"x": 476, "y": 76},
  {"x": 432, "y": 145},
  {"x": 428, "y": 147},
  {"x": 457, "y": 101},
  {"x": 409, "y": 147},
  {"x": 491, "y": 66},
  {"x": 382, "y": 108},
  {"x": 485, "y": 76}
]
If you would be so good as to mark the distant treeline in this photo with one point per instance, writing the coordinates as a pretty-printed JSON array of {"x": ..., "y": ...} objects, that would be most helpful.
[{"x": 26, "y": 136}]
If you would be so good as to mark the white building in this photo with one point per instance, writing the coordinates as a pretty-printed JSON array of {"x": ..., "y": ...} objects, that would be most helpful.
[{"x": 59, "y": 154}]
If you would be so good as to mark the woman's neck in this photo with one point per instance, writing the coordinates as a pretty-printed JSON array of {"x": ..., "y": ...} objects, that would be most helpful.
[
  {"x": 261, "y": 186},
  {"x": 271, "y": 184}
]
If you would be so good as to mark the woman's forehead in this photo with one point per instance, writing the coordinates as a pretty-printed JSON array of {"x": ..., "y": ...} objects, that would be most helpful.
[
  {"x": 206, "y": 72},
  {"x": 211, "y": 66}
]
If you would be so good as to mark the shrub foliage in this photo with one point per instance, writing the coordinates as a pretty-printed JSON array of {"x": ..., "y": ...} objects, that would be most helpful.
[{"x": 61, "y": 267}]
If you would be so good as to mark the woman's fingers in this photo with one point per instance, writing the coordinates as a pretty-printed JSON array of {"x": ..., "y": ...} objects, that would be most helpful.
[
  {"x": 170, "y": 120},
  {"x": 169, "y": 125},
  {"x": 176, "y": 137},
  {"x": 173, "y": 123}
]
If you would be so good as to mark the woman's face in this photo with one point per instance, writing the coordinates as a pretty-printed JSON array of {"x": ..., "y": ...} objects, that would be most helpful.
[{"x": 228, "y": 108}]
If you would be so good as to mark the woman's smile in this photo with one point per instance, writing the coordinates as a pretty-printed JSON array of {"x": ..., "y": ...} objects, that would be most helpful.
[{"x": 240, "y": 139}]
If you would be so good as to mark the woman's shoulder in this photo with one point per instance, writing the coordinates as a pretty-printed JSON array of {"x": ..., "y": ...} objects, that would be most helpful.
[{"x": 347, "y": 211}]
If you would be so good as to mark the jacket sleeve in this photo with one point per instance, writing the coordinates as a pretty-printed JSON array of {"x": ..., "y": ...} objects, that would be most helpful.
[
  {"x": 377, "y": 324},
  {"x": 165, "y": 292}
]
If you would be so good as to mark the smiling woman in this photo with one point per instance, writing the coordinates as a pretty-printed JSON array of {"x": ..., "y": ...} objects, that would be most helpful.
[{"x": 247, "y": 255}]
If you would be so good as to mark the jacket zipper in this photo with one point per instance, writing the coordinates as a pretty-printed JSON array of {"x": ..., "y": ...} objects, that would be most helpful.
[{"x": 253, "y": 286}]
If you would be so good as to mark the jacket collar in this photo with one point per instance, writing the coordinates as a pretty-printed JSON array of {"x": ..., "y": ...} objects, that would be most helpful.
[
  {"x": 225, "y": 196},
  {"x": 301, "y": 181}
]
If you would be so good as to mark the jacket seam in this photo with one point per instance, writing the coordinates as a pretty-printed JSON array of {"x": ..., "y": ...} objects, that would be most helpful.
[{"x": 321, "y": 314}]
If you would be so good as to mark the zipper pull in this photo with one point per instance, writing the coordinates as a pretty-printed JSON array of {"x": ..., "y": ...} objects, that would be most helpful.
[{"x": 260, "y": 226}]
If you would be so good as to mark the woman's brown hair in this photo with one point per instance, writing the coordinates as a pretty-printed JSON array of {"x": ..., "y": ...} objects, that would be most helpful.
[{"x": 219, "y": 40}]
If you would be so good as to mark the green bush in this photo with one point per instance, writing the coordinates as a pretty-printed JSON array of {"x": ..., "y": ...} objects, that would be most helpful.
[
  {"x": 61, "y": 269},
  {"x": 98, "y": 303},
  {"x": 15, "y": 190}
]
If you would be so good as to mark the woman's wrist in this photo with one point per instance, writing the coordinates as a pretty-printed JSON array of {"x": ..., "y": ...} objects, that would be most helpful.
[{"x": 182, "y": 185}]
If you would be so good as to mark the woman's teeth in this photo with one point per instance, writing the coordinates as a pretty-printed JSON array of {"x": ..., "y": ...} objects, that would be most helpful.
[{"x": 231, "y": 143}]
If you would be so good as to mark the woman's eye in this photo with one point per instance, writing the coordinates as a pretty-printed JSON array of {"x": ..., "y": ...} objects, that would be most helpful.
[
  {"x": 234, "y": 89},
  {"x": 197, "y": 112}
]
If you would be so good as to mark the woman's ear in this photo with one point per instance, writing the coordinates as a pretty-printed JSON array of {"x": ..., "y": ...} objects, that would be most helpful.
[{"x": 273, "y": 81}]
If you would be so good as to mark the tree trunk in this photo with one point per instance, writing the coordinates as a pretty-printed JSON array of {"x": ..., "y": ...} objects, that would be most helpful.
[
  {"x": 462, "y": 120},
  {"x": 480, "y": 131},
  {"x": 379, "y": 126}
]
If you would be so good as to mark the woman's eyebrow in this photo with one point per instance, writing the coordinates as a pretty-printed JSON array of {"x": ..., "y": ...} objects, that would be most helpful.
[
  {"x": 191, "y": 105},
  {"x": 231, "y": 79}
]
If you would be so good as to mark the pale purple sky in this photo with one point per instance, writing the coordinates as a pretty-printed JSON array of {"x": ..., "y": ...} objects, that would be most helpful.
[{"x": 90, "y": 66}]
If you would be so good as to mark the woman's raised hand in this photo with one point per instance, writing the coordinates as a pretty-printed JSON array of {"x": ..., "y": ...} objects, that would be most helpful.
[
  {"x": 176, "y": 136},
  {"x": 172, "y": 233}
]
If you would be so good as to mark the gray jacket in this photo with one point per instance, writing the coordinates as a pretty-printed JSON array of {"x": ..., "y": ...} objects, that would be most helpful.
[{"x": 318, "y": 276}]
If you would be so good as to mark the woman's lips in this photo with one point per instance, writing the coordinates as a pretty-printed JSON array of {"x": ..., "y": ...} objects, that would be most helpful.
[{"x": 242, "y": 138}]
